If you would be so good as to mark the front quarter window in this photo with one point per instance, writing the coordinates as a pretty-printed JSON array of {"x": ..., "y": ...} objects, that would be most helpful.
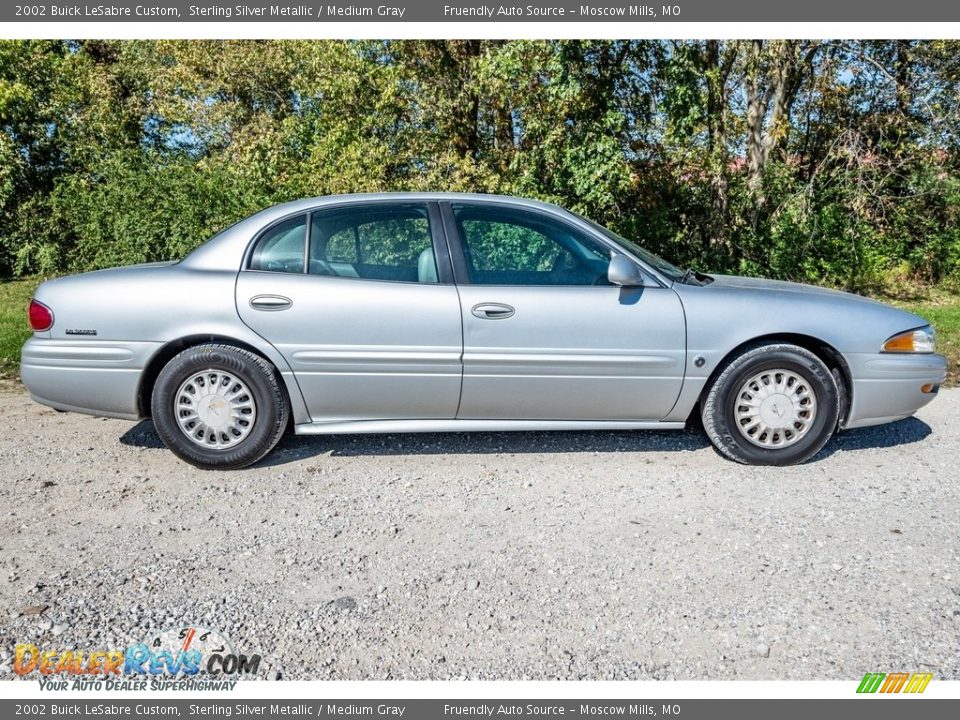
[{"x": 655, "y": 261}]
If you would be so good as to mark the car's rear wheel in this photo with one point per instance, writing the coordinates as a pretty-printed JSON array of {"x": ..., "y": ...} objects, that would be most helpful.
[
  {"x": 775, "y": 404},
  {"x": 219, "y": 407}
]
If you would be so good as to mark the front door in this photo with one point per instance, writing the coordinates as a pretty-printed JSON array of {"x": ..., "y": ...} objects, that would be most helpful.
[
  {"x": 546, "y": 337},
  {"x": 356, "y": 301}
]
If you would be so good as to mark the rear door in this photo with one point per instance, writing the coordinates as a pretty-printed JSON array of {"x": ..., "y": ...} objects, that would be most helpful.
[
  {"x": 546, "y": 336},
  {"x": 360, "y": 301}
]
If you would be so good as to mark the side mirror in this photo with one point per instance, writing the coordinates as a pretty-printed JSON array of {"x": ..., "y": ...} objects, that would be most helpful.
[{"x": 624, "y": 272}]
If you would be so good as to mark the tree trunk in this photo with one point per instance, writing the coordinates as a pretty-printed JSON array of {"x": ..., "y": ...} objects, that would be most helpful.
[
  {"x": 717, "y": 62},
  {"x": 774, "y": 77},
  {"x": 756, "y": 111}
]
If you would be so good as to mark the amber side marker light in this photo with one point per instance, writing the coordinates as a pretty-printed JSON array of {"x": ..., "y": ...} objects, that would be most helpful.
[{"x": 929, "y": 388}]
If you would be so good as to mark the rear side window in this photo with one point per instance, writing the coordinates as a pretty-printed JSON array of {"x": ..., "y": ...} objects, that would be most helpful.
[
  {"x": 374, "y": 242},
  {"x": 281, "y": 248}
]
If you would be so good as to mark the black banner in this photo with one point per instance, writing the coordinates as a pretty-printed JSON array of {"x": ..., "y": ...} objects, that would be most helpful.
[
  {"x": 874, "y": 708},
  {"x": 308, "y": 11}
]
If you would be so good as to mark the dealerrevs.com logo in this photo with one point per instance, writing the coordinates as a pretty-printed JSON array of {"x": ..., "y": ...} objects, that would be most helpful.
[
  {"x": 887, "y": 683},
  {"x": 183, "y": 658}
]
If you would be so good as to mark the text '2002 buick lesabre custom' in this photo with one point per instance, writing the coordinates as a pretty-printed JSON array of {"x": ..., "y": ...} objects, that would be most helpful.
[{"x": 448, "y": 312}]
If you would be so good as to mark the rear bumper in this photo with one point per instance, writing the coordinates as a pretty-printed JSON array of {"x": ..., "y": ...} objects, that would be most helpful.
[
  {"x": 887, "y": 387},
  {"x": 94, "y": 377}
]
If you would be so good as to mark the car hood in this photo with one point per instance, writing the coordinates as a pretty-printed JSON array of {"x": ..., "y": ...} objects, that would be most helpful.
[
  {"x": 781, "y": 286},
  {"x": 789, "y": 296},
  {"x": 732, "y": 310}
]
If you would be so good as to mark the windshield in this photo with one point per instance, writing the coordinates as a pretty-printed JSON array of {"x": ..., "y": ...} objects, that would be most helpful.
[{"x": 655, "y": 261}]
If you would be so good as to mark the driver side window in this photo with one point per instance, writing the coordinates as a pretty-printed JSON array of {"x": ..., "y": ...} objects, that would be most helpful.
[{"x": 505, "y": 246}]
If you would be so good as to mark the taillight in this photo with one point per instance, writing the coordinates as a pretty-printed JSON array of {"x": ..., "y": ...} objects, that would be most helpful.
[{"x": 41, "y": 317}]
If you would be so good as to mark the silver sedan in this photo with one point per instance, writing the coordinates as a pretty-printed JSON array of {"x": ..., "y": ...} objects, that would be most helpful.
[{"x": 447, "y": 312}]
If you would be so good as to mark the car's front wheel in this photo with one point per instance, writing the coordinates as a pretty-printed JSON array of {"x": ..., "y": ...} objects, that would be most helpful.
[
  {"x": 219, "y": 407},
  {"x": 775, "y": 404}
]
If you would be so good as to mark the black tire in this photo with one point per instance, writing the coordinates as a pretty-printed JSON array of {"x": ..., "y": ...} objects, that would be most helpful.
[
  {"x": 268, "y": 396},
  {"x": 720, "y": 405}
]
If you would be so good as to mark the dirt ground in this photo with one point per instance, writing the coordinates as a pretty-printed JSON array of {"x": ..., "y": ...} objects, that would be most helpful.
[{"x": 500, "y": 556}]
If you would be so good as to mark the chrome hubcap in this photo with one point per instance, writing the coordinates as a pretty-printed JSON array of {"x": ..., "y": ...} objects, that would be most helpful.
[
  {"x": 215, "y": 409},
  {"x": 775, "y": 409}
]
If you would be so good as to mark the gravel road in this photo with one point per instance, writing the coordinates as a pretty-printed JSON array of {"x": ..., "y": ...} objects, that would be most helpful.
[{"x": 492, "y": 556}]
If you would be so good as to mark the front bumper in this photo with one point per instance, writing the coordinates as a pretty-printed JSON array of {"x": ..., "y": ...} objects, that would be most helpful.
[
  {"x": 96, "y": 377},
  {"x": 888, "y": 386}
]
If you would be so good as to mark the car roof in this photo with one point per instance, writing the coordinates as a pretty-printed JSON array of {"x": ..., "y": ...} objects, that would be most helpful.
[{"x": 308, "y": 203}]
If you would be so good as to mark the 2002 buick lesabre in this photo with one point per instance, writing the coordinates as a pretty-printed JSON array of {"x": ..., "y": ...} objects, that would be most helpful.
[{"x": 446, "y": 312}]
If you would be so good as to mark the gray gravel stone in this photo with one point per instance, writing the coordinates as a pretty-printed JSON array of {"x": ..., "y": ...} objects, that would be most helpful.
[{"x": 619, "y": 555}]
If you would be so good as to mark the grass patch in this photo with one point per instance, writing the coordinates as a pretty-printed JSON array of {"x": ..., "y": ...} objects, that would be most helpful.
[{"x": 14, "y": 298}]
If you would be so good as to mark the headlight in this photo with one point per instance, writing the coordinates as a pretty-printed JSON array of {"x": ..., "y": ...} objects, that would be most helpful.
[{"x": 921, "y": 340}]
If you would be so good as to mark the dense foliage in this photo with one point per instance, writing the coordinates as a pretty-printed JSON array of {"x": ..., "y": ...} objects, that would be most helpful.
[{"x": 834, "y": 161}]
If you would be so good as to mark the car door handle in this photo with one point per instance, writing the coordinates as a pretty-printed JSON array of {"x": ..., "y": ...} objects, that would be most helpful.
[
  {"x": 492, "y": 311},
  {"x": 270, "y": 302}
]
